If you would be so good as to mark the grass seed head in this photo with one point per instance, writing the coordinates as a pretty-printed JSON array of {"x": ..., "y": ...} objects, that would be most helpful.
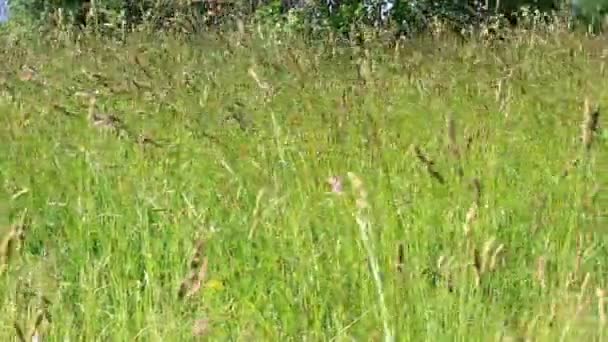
[
  {"x": 360, "y": 192},
  {"x": 470, "y": 219},
  {"x": 485, "y": 256},
  {"x": 498, "y": 252}
]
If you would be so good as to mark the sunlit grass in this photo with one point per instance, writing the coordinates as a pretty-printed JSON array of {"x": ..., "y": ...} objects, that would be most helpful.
[{"x": 484, "y": 226}]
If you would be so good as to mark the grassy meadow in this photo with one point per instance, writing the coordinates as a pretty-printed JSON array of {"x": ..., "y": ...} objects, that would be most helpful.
[{"x": 266, "y": 188}]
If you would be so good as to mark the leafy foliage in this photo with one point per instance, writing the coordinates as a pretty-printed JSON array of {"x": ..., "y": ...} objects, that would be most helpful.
[{"x": 297, "y": 16}]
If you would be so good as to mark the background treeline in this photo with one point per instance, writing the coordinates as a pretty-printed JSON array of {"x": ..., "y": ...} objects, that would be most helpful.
[{"x": 405, "y": 17}]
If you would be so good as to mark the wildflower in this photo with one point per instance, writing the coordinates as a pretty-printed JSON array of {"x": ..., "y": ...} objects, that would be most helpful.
[{"x": 335, "y": 182}]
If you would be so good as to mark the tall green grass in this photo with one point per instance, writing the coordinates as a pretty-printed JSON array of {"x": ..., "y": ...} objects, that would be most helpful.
[{"x": 475, "y": 215}]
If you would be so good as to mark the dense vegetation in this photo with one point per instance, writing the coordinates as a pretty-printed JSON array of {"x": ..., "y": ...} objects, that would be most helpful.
[
  {"x": 252, "y": 181},
  {"x": 405, "y": 17}
]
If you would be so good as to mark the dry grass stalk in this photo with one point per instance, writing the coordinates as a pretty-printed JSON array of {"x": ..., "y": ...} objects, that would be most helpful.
[
  {"x": 429, "y": 165},
  {"x": 344, "y": 102},
  {"x": 590, "y": 124},
  {"x": 485, "y": 259},
  {"x": 364, "y": 229},
  {"x": 579, "y": 255},
  {"x": 198, "y": 271},
  {"x": 360, "y": 192},
  {"x": 584, "y": 284},
  {"x": 397, "y": 50},
  {"x": 256, "y": 213},
  {"x": 503, "y": 93},
  {"x": 452, "y": 142},
  {"x": 470, "y": 219},
  {"x": 574, "y": 275},
  {"x": 540, "y": 205},
  {"x": 473, "y": 212},
  {"x": 581, "y": 304},
  {"x": 495, "y": 257},
  {"x": 593, "y": 195},
  {"x": 444, "y": 267},
  {"x": 297, "y": 63},
  {"x": 9, "y": 244},
  {"x": 240, "y": 25},
  {"x": 541, "y": 271},
  {"x": 332, "y": 43},
  {"x": 499, "y": 90},
  {"x": 601, "y": 304},
  {"x": 364, "y": 71},
  {"x": 342, "y": 114},
  {"x": 265, "y": 86},
  {"x": 583, "y": 290}
]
